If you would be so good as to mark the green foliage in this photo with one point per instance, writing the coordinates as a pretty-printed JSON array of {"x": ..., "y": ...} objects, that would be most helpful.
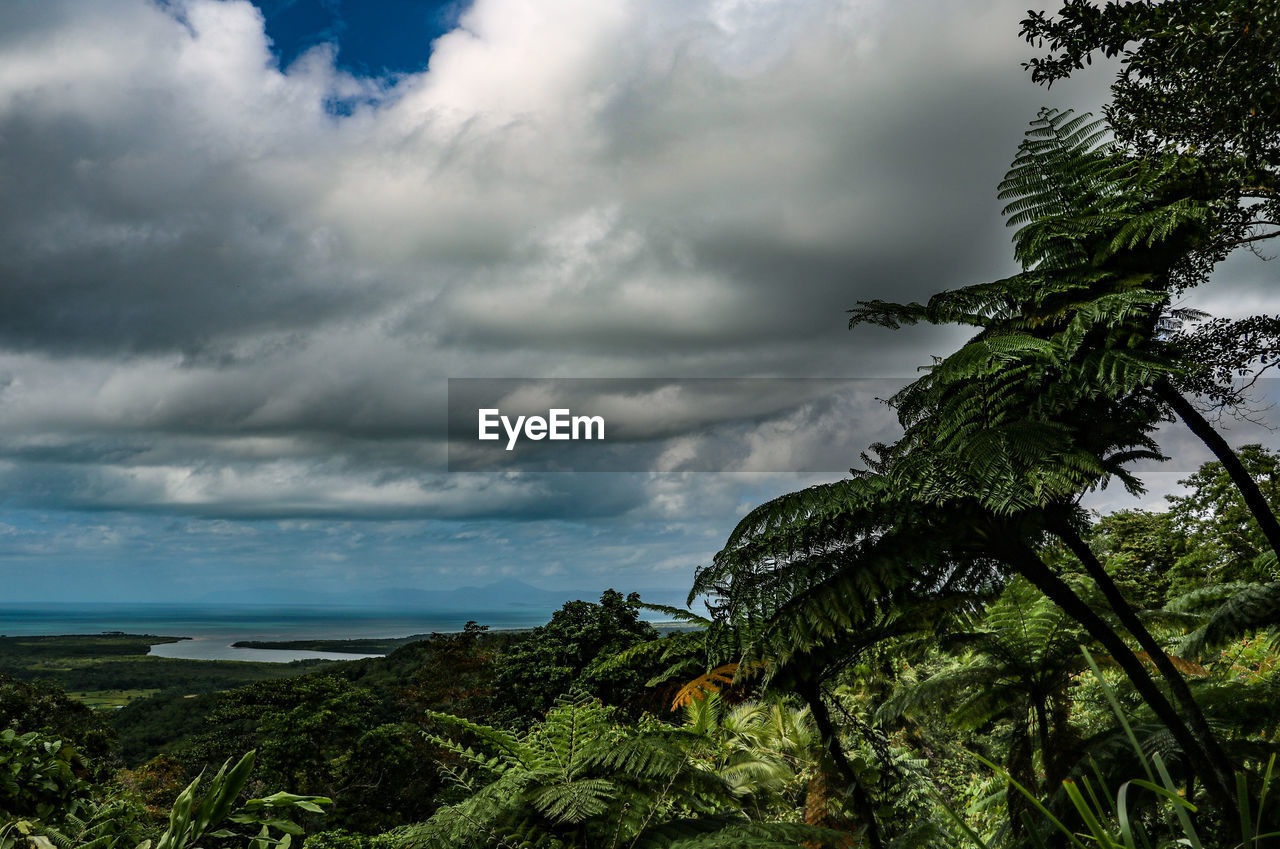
[
  {"x": 1059, "y": 392},
  {"x": 348, "y": 733},
  {"x": 40, "y": 777},
  {"x": 1225, "y": 358},
  {"x": 46, "y": 708},
  {"x": 155, "y": 783},
  {"x": 116, "y": 663},
  {"x": 1052, "y": 396},
  {"x": 1015, "y": 671},
  {"x": 277, "y": 717},
  {"x": 322, "y": 735},
  {"x": 116, "y": 822},
  {"x": 456, "y": 673},
  {"x": 1165, "y": 819},
  {"x": 581, "y": 779},
  {"x": 767, "y": 751},
  {"x": 45, "y": 805},
  {"x": 1139, "y": 550},
  {"x": 1197, "y": 81},
  {"x": 854, "y": 563},
  {"x": 1227, "y": 570},
  {"x": 1196, "y": 75},
  {"x": 573, "y": 651},
  {"x": 342, "y": 839},
  {"x": 1250, "y": 607},
  {"x": 1016, "y": 665},
  {"x": 1223, "y": 542},
  {"x": 195, "y": 816}
]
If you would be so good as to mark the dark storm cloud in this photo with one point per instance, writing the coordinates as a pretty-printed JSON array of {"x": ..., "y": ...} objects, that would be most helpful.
[
  {"x": 127, "y": 223},
  {"x": 219, "y": 298},
  {"x": 319, "y": 491}
]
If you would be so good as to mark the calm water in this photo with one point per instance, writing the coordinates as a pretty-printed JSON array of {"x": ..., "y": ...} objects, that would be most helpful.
[
  {"x": 214, "y": 627},
  {"x": 214, "y": 648}
]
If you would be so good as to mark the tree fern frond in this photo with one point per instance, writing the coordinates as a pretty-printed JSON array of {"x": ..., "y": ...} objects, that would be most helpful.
[
  {"x": 574, "y": 801},
  {"x": 710, "y": 682},
  {"x": 1254, "y": 607}
]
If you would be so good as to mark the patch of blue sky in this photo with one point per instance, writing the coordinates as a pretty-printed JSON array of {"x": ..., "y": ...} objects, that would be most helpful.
[{"x": 373, "y": 38}]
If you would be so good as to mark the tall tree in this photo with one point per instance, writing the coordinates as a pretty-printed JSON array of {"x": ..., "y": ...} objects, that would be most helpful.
[
  {"x": 1058, "y": 391},
  {"x": 1222, "y": 542},
  {"x": 573, "y": 651},
  {"x": 1198, "y": 77},
  {"x": 1139, "y": 550},
  {"x": 814, "y": 578}
]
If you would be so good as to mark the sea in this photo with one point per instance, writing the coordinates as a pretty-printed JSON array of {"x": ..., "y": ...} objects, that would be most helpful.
[{"x": 211, "y": 629}]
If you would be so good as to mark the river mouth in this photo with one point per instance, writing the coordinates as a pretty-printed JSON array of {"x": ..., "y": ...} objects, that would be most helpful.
[{"x": 220, "y": 648}]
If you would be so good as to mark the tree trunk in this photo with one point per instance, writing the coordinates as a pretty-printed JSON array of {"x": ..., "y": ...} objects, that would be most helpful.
[
  {"x": 1129, "y": 619},
  {"x": 810, "y": 692},
  {"x": 1046, "y": 750},
  {"x": 1028, "y": 564},
  {"x": 1199, "y": 425},
  {"x": 1020, "y": 764},
  {"x": 1064, "y": 741},
  {"x": 817, "y": 796},
  {"x": 821, "y": 808}
]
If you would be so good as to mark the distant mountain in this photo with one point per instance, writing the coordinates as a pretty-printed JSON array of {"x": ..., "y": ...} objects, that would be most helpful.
[{"x": 497, "y": 595}]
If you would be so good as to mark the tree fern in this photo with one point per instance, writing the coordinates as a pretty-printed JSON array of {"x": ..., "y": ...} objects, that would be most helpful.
[
  {"x": 1057, "y": 393},
  {"x": 1251, "y": 607},
  {"x": 579, "y": 779}
]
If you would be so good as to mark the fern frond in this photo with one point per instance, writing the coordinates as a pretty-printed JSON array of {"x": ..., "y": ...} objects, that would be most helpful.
[
  {"x": 699, "y": 687},
  {"x": 1254, "y": 607}
]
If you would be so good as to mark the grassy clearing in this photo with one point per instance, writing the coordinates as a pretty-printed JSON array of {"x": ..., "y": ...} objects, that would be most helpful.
[{"x": 111, "y": 699}]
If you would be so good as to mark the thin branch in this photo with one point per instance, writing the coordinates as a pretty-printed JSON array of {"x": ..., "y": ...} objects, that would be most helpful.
[{"x": 1249, "y": 239}]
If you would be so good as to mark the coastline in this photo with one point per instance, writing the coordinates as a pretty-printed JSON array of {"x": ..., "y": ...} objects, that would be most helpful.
[{"x": 214, "y": 648}]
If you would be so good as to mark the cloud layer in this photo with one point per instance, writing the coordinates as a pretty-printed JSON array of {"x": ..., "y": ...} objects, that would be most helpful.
[{"x": 232, "y": 291}]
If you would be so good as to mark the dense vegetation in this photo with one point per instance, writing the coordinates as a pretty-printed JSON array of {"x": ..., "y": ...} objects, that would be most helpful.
[
  {"x": 943, "y": 649},
  {"x": 110, "y": 670}
]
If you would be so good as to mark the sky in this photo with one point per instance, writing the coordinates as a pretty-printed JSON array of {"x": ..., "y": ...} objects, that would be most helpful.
[{"x": 243, "y": 248}]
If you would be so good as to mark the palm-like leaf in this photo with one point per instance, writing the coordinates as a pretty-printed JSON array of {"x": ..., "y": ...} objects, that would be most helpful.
[{"x": 579, "y": 779}]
